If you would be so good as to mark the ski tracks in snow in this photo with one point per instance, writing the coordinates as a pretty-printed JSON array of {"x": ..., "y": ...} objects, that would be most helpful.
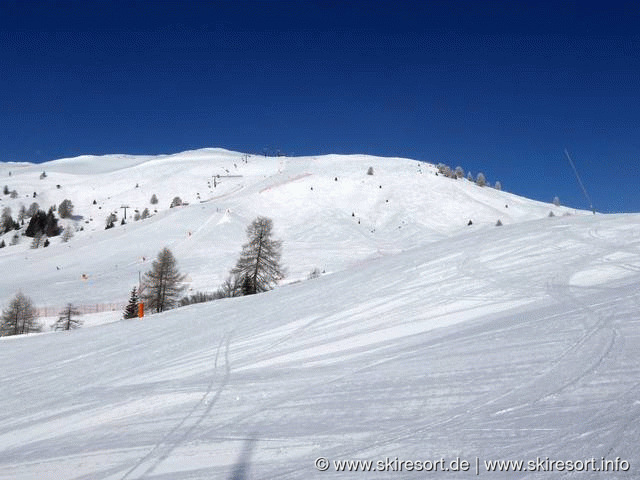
[{"x": 185, "y": 428}]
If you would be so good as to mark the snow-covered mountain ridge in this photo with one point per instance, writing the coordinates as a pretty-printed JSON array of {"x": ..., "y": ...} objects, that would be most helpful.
[{"x": 327, "y": 210}]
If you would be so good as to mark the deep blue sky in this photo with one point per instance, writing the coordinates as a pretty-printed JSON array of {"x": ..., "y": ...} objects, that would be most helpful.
[{"x": 497, "y": 87}]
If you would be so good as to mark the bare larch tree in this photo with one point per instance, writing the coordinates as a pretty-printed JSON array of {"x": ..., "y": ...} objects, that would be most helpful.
[
  {"x": 259, "y": 264},
  {"x": 163, "y": 283},
  {"x": 19, "y": 317},
  {"x": 67, "y": 318}
]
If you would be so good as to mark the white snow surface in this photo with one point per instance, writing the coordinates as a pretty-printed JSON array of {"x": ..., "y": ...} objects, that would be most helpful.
[{"x": 425, "y": 338}]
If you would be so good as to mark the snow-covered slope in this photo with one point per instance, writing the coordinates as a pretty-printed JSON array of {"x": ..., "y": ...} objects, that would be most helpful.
[
  {"x": 425, "y": 340},
  {"x": 509, "y": 343},
  {"x": 327, "y": 210}
]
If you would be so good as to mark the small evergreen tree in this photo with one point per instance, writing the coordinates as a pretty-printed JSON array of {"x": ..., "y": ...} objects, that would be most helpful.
[
  {"x": 163, "y": 283},
  {"x": 145, "y": 214},
  {"x": 556, "y": 201},
  {"x": 480, "y": 180},
  {"x": 370, "y": 171},
  {"x": 459, "y": 172},
  {"x": 131, "y": 310},
  {"x": 248, "y": 287},
  {"x": 498, "y": 186},
  {"x": 19, "y": 317},
  {"x": 13, "y": 194},
  {"x": 176, "y": 202},
  {"x": 2, "y": 244},
  {"x": 67, "y": 320},
  {"x": 470, "y": 177},
  {"x": 6, "y": 190},
  {"x": 154, "y": 199}
]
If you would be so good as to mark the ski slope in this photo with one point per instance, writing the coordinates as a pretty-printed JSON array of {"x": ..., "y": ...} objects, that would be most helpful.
[
  {"x": 329, "y": 213},
  {"x": 431, "y": 341}
]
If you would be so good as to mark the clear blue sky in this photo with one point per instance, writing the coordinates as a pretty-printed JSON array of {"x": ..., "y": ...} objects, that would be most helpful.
[{"x": 497, "y": 87}]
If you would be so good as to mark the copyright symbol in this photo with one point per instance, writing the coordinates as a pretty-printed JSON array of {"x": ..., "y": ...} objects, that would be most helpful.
[{"x": 322, "y": 464}]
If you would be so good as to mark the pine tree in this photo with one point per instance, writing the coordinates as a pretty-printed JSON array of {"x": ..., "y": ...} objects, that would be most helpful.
[
  {"x": 131, "y": 310},
  {"x": 154, "y": 199},
  {"x": 19, "y": 317},
  {"x": 481, "y": 180},
  {"x": 259, "y": 263},
  {"x": 66, "y": 320},
  {"x": 52, "y": 229},
  {"x": 163, "y": 283}
]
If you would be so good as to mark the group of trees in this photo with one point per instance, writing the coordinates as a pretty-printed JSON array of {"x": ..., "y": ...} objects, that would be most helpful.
[
  {"x": 112, "y": 218},
  {"x": 458, "y": 172},
  {"x": 11, "y": 193},
  {"x": 20, "y": 317},
  {"x": 257, "y": 270},
  {"x": 41, "y": 225}
]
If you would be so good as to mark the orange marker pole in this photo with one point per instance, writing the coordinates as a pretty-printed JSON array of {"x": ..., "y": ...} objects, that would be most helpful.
[{"x": 140, "y": 310}]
